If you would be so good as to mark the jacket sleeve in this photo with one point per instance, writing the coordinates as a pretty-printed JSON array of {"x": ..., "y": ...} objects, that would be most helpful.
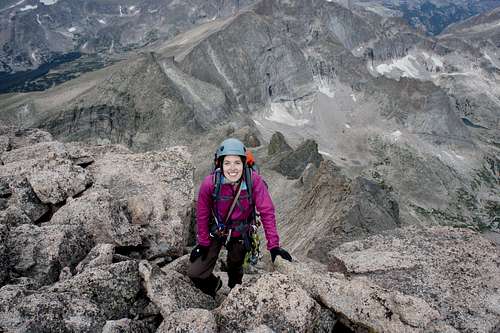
[
  {"x": 265, "y": 207},
  {"x": 203, "y": 211}
]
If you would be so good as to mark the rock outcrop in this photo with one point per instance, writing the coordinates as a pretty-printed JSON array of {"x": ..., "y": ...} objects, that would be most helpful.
[
  {"x": 455, "y": 271},
  {"x": 335, "y": 209},
  {"x": 292, "y": 162},
  {"x": 137, "y": 200}
]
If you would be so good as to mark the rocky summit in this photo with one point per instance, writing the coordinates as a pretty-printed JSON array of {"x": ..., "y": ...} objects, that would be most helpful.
[{"x": 375, "y": 125}]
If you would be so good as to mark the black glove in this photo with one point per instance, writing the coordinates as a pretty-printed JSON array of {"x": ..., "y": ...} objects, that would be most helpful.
[
  {"x": 199, "y": 251},
  {"x": 278, "y": 251}
]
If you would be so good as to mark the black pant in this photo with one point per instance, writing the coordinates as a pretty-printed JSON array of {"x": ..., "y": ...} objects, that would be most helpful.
[{"x": 202, "y": 269}]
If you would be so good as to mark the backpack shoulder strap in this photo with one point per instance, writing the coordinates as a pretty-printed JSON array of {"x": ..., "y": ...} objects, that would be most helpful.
[
  {"x": 249, "y": 183},
  {"x": 217, "y": 181}
]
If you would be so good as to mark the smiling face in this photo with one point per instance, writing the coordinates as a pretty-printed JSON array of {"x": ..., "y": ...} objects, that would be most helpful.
[{"x": 232, "y": 167}]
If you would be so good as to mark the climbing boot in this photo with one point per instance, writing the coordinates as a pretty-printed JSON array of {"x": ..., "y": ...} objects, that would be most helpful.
[{"x": 209, "y": 286}]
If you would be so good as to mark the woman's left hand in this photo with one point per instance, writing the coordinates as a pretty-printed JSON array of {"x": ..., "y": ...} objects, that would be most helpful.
[{"x": 278, "y": 251}]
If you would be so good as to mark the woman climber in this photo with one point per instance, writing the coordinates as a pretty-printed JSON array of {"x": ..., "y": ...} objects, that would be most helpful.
[{"x": 228, "y": 202}]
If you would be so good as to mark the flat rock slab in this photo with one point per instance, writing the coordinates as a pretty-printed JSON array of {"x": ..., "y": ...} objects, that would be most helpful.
[{"x": 456, "y": 271}]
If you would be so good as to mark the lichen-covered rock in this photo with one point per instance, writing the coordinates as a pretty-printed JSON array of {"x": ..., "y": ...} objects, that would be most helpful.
[
  {"x": 171, "y": 291},
  {"x": 54, "y": 181},
  {"x": 125, "y": 325},
  {"x": 4, "y": 258},
  {"x": 82, "y": 303},
  {"x": 113, "y": 288},
  {"x": 180, "y": 265},
  {"x": 23, "y": 137},
  {"x": 361, "y": 303},
  {"x": 189, "y": 320},
  {"x": 41, "y": 252},
  {"x": 13, "y": 217},
  {"x": 5, "y": 144},
  {"x": 24, "y": 310},
  {"x": 456, "y": 271},
  {"x": 22, "y": 202},
  {"x": 274, "y": 300},
  {"x": 43, "y": 150},
  {"x": 102, "y": 216},
  {"x": 101, "y": 254},
  {"x": 137, "y": 199},
  {"x": 84, "y": 154}
]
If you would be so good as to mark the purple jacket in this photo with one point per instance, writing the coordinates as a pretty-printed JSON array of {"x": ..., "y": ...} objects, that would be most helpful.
[{"x": 241, "y": 211}]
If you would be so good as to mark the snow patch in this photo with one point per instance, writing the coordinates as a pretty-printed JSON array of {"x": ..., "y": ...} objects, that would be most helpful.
[
  {"x": 28, "y": 7},
  {"x": 85, "y": 45},
  {"x": 460, "y": 157},
  {"x": 258, "y": 123},
  {"x": 121, "y": 12},
  {"x": 325, "y": 87},
  {"x": 38, "y": 19},
  {"x": 101, "y": 21},
  {"x": 14, "y": 5},
  {"x": 72, "y": 29},
  {"x": 437, "y": 61},
  {"x": 396, "y": 135},
  {"x": 280, "y": 114},
  {"x": 33, "y": 56},
  {"x": 325, "y": 153},
  {"x": 48, "y": 2},
  {"x": 353, "y": 97},
  {"x": 406, "y": 65},
  {"x": 347, "y": 126}
]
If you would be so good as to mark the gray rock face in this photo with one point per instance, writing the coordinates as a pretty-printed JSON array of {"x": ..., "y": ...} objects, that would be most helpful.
[
  {"x": 41, "y": 252},
  {"x": 455, "y": 271},
  {"x": 274, "y": 300},
  {"x": 189, "y": 320},
  {"x": 273, "y": 68},
  {"x": 171, "y": 291},
  {"x": 335, "y": 209},
  {"x": 293, "y": 163},
  {"x": 120, "y": 110}
]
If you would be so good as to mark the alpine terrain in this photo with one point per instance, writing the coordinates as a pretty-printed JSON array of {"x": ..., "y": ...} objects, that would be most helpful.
[{"x": 375, "y": 124}]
